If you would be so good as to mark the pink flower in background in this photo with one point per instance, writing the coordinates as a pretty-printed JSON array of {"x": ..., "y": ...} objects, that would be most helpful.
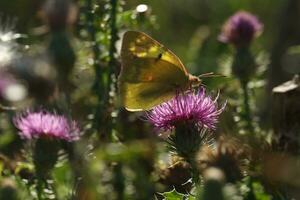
[
  {"x": 11, "y": 89},
  {"x": 195, "y": 107},
  {"x": 240, "y": 29},
  {"x": 46, "y": 124},
  {"x": 5, "y": 80}
]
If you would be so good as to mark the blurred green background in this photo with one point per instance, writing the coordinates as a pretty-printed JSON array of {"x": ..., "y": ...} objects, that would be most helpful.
[{"x": 190, "y": 28}]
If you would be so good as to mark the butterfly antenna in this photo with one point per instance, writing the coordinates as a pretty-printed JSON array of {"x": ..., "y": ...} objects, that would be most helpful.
[
  {"x": 206, "y": 75},
  {"x": 210, "y": 74}
]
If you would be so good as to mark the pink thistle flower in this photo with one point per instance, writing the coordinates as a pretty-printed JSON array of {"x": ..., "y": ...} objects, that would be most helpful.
[
  {"x": 46, "y": 124},
  {"x": 192, "y": 107},
  {"x": 240, "y": 29}
]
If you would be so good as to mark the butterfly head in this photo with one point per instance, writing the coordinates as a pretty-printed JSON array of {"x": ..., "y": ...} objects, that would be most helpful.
[{"x": 194, "y": 80}]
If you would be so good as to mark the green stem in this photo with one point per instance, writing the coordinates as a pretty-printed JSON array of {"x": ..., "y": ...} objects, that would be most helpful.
[
  {"x": 99, "y": 83},
  {"x": 247, "y": 111},
  {"x": 186, "y": 142},
  {"x": 39, "y": 188},
  {"x": 118, "y": 181},
  {"x": 114, "y": 38},
  {"x": 112, "y": 65},
  {"x": 194, "y": 171}
]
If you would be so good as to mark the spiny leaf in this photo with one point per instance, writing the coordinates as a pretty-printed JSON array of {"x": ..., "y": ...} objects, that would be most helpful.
[{"x": 174, "y": 195}]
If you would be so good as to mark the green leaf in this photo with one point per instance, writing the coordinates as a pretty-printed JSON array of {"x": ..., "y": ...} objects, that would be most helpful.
[
  {"x": 173, "y": 195},
  {"x": 259, "y": 192}
]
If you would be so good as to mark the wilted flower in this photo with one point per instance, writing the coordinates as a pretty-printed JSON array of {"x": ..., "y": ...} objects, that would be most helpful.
[
  {"x": 7, "y": 48},
  {"x": 8, "y": 45},
  {"x": 174, "y": 175},
  {"x": 7, "y": 53},
  {"x": 227, "y": 154},
  {"x": 240, "y": 29},
  {"x": 192, "y": 106},
  {"x": 46, "y": 124},
  {"x": 11, "y": 89},
  {"x": 9, "y": 36}
]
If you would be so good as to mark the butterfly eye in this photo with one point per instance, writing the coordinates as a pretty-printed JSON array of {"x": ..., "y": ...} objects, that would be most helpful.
[{"x": 194, "y": 80}]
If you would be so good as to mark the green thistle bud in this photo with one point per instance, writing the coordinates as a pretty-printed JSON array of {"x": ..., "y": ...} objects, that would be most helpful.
[
  {"x": 243, "y": 66},
  {"x": 45, "y": 156}
]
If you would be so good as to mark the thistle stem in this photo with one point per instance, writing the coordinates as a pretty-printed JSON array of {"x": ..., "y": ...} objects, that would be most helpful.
[
  {"x": 114, "y": 38},
  {"x": 186, "y": 142},
  {"x": 112, "y": 66},
  {"x": 194, "y": 171},
  {"x": 39, "y": 188},
  {"x": 118, "y": 182},
  {"x": 99, "y": 84},
  {"x": 247, "y": 111}
]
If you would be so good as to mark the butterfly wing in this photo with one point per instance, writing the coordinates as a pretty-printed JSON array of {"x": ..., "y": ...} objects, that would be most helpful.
[{"x": 150, "y": 72}]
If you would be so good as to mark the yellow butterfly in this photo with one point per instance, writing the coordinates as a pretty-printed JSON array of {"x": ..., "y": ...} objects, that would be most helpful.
[{"x": 151, "y": 73}]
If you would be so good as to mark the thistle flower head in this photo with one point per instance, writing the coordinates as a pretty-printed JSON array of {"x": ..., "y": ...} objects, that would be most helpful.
[
  {"x": 240, "y": 29},
  {"x": 46, "y": 124},
  {"x": 192, "y": 106}
]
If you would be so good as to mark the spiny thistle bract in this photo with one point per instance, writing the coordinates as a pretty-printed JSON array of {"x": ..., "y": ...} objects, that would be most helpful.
[{"x": 192, "y": 115}]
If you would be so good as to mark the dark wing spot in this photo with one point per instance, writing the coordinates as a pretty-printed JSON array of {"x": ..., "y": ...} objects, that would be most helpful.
[{"x": 158, "y": 57}]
